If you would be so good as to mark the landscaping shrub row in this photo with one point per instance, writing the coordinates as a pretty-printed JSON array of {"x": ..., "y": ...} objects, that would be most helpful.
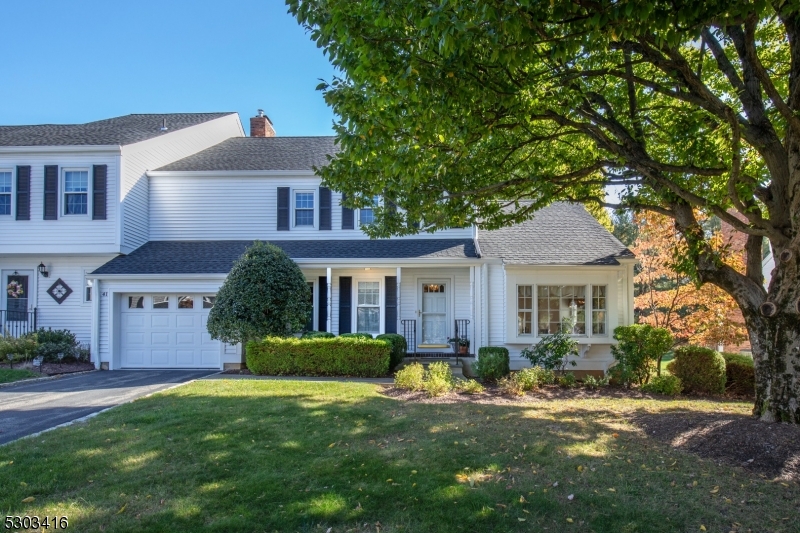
[
  {"x": 44, "y": 343},
  {"x": 320, "y": 356}
]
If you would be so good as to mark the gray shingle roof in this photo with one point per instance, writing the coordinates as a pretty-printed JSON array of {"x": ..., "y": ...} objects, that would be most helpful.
[
  {"x": 560, "y": 234},
  {"x": 128, "y": 129},
  {"x": 217, "y": 257},
  {"x": 260, "y": 153}
]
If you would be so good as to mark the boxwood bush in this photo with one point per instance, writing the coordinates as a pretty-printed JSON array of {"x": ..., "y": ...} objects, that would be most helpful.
[
  {"x": 340, "y": 356},
  {"x": 741, "y": 374},
  {"x": 356, "y": 336},
  {"x": 492, "y": 363},
  {"x": 699, "y": 369},
  {"x": 318, "y": 335},
  {"x": 399, "y": 348}
]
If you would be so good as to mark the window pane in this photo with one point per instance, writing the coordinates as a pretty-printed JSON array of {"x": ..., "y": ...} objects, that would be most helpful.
[
  {"x": 135, "y": 302},
  {"x": 76, "y": 204},
  {"x": 5, "y": 182},
  {"x": 367, "y": 216},
  {"x": 599, "y": 309},
  {"x": 524, "y": 323},
  {"x": 5, "y": 204},
  {"x": 368, "y": 319},
  {"x": 185, "y": 302},
  {"x": 208, "y": 301},
  {"x": 160, "y": 302},
  {"x": 304, "y": 200},
  {"x": 76, "y": 181},
  {"x": 304, "y": 217}
]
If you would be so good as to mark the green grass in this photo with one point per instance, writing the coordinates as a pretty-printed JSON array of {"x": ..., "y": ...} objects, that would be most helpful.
[
  {"x": 304, "y": 456},
  {"x": 7, "y": 375},
  {"x": 665, "y": 361}
]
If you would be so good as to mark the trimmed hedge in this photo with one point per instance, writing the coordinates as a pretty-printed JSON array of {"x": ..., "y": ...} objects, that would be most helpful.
[
  {"x": 741, "y": 374},
  {"x": 492, "y": 363},
  {"x": 340, "y": 356},
  {"x": 356, "y": 336},
  {"x": 399, "y": 348},
  {"x": 699, "y": 369},
  {"x": 317, "y": 335}
]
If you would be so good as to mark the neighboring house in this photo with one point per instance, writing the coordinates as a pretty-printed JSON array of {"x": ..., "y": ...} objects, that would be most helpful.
[{"x": 182, "y": 205}]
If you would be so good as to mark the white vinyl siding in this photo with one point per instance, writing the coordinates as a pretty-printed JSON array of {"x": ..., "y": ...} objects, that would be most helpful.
[
  {"x": 191, "y": 207},
  {"x": 157, "y": 152},
  {"x": 70, "y": 234}
]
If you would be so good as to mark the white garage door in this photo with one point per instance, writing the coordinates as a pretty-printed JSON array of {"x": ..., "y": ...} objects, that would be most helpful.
[{"x": 167, "y": 331}]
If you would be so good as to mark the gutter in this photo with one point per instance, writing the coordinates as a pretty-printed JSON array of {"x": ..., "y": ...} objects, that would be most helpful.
[{"x": 73, "y": 148}]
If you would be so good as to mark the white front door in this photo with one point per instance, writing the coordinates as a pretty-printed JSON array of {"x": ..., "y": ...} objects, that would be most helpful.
[{"x": 434, "y": 314}]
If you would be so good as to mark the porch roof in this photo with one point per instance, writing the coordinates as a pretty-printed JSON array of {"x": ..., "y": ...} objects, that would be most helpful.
[{"x": 217, "y": 257}]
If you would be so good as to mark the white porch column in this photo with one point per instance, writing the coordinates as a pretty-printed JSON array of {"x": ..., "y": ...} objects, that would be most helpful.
[
  {"x": 329, "y": 281},
  {"x": 94, "y": 344},
  {"x": 399, "y": 308},
  {"x": 472, "y": 317},
  {"x": 485, "y": 305}
]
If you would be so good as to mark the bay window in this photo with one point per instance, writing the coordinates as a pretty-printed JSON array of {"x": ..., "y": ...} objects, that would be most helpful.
[{"x": 562, "y": 308}]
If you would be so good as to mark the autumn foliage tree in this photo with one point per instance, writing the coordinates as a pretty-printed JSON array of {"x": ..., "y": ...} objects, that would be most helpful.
[{"x": 668, "y": 298}]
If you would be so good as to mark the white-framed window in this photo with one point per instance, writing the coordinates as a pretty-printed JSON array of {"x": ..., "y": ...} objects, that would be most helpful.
[
  {"x": 368, "y": 307},
  {"x": 366, "y": 215},
  {"x": 582, "y": 308},
  {"x": 87, "y": 286},
  {"x": 5, "y": 192},
  {"x": 76, "y": 191},
  {"x": 160, "y": 302},
  {"x": 185, "y": 302},
  {"x": 136, "y": 302},
  {"x": 524, "y": 309},
  {"x": 209, "y": 301},
  {"x": 304, "y": 208},
  {"x": 599, "y": 310},
  {"x": 559, "y": 307}
]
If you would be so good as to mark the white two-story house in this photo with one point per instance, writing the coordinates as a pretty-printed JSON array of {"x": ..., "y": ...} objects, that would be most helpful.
[{"x": 123, "y": 231}]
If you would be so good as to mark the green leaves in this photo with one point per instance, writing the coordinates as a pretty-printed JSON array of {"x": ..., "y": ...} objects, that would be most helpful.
[{"x": 264, "y": 294}]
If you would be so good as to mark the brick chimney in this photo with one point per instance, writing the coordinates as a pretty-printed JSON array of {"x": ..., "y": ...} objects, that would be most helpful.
[{"x": 261, "y": 125}]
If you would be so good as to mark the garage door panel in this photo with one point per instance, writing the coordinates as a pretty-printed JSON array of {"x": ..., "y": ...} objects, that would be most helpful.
[
  {"x": 167, "y": 338},
  {"x": 161, "y": 320},
  {"x": 186, "y": 321}
]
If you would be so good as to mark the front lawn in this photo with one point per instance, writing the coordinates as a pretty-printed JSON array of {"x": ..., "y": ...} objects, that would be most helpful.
[
  {"x": 7, "y": 375},
  {"x": 247, "y": 456}
]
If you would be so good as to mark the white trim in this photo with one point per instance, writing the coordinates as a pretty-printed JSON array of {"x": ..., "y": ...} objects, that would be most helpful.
[
  {"x": 63, "y": 192},
  {"x": 61, "y": 149},
  {"x": 293, "y": 200},
  {"x": 368, "y": 278},
  {"x": 329, "y": 303},
  {"x": 227, "y": 173},
  {"x": 12, "y": 194},
  {"x": 94, "y": 343}
]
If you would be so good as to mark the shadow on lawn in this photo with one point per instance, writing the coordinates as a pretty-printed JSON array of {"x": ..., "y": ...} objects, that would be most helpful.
[{"x": 261, "y": 461}]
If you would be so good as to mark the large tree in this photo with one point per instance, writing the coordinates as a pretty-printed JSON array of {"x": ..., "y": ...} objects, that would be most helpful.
[{"x": 455, "y": 110}]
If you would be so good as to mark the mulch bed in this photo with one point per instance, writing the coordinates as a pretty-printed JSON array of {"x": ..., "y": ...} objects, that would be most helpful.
[
  {"x": 769, "y": 450},
  {"x": 54, "y": 369}
]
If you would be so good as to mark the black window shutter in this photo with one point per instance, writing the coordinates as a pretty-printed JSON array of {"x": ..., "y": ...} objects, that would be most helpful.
[
  {"x": 283, "y": 208},
  {"x": 51, "y": 192},
  {"x": 24, "y": 193},
  {"x": 322, "y": 310},
  {"x": 348, "y": 217},
  {"x": 324, "y": 208},
  {"x": 99, "y": 187},
  {"x": 390, "y": 324},
  {"x": 345, "y": 298}
]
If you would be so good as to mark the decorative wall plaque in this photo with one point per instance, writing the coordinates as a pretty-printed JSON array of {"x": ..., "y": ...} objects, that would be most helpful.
[{"x": 59, "y": 291}]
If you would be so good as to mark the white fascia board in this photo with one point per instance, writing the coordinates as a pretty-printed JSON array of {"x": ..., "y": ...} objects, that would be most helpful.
[
  {"x": 593, "y": 268},
  {"x": 193, "y": 277},
  {"x": 389, "y": 263},
  {"x": 116, "y": 149},
  {"x": 227, "y": 173}
]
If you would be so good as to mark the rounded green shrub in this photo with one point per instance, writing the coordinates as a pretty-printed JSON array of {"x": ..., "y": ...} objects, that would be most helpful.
[
  {"x": 399, "y": 348},
  {"x": 700, "y": 370},
  {"x": 492, "y": 363},
  {"x": 741, "y": 374},
  {"x": 438, "y": 379},
  {"x": 469, "y": 386},
  {"x": 666, "y": 384},
  {"x": 318, "y": 335},
  {"x": 410, "y": 377}
]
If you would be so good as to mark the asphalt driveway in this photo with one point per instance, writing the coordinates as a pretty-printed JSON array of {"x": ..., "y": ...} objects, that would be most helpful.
[{"x": 30, "y": 408}]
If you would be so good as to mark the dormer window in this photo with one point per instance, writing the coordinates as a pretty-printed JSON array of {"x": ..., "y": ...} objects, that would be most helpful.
[
  {"x": 5, "y": 192},
  {"x": 304, "y": 208},
  {"x": 76, "y": 192}
]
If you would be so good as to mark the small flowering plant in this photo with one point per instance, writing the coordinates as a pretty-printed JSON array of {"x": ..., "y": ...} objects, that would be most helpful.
[{"x": 14, "y": 289}]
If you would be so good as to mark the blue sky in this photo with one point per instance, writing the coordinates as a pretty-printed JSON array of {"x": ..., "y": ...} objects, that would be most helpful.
[{"x": 82, "y": 60}]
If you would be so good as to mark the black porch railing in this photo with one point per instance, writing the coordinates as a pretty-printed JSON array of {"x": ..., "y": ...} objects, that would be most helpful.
[
  {"x": 461, "y": 334},
  {"x": 17, "y": 323}
]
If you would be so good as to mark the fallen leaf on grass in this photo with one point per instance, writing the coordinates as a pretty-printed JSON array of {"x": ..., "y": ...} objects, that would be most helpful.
[
  {"x": 714, "y": 490},
  {"x": 122, "y": 509},
  {"x": 29, "y": 499},
  {"x": 702, "y": 527},
  {"x": 569, "y": 520}
]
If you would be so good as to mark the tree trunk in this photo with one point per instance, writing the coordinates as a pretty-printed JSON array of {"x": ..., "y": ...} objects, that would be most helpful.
[{"x": 776, "y": 352}]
